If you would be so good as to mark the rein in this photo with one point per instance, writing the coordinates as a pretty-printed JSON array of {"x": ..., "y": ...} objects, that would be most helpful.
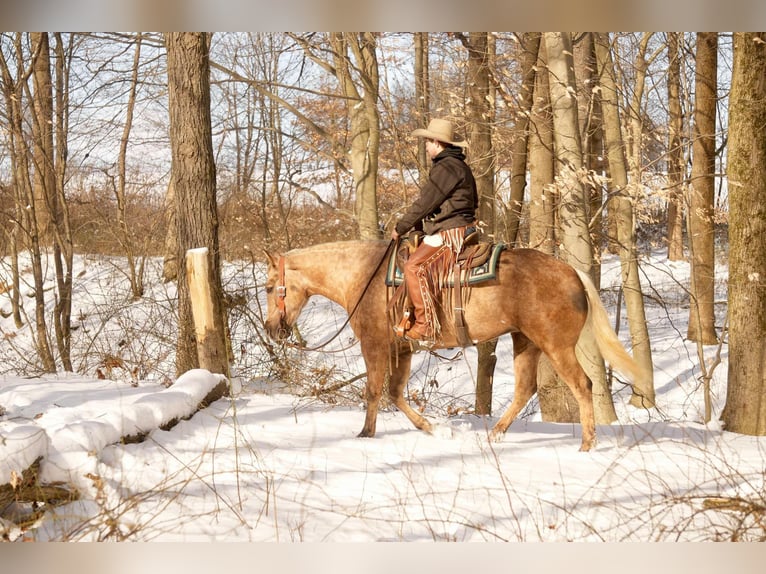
[{"x": 282, "y": 294}]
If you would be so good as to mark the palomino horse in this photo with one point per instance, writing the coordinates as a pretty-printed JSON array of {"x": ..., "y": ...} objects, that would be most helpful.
[{"x": 541, "y": 301}]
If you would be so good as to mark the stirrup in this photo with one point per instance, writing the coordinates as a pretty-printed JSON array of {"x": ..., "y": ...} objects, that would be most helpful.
[{"x": 404, "y": 325}]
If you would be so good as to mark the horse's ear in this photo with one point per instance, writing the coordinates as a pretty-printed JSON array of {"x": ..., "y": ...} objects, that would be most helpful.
[{"x": 270, "y": 259}]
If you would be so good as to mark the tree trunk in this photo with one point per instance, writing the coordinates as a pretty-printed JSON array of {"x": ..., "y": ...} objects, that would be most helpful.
[
  {"x": 365, "y": 123},
  {"x": 675, "y": 151},
  {"x": 120, "y": 189},
  {"x": 542, "y": 192},
  {"x": 573, "y": 202},
  {"x": 480, "y": 115},
  {"x": 701, "y": 216},
  {"x": 745, "y": 410},
  {"x": 40, "y": 204},
  {"x": 194, "y": 180},
  {"x": 170, "y": 256},
  {"x": 591, "y": 134},
  {"x": 530, "y": 47},
  {"x": 643, "y": 391},
  {"x": 42, "y": 134},
  {"x": 557, "y": 403},
  {"x": 422, "y": 101},
  {"x": 13, "y": 95},
  {"x": 63, "y": 245}
]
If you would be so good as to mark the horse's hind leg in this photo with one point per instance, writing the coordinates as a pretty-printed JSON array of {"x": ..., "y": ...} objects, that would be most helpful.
[
  {"x": 571, "y": 372},
  {"x": 400, "y": 374},
  {"x": 525, "y": 357}
]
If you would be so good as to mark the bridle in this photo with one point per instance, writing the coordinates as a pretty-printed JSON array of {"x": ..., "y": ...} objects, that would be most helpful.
[
  {"x": 281, "y": 294},
  {"x": 281, "y": 288}
]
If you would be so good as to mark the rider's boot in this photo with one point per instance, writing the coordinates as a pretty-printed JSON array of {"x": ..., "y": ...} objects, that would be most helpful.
[{"x": 415, "y": 276}]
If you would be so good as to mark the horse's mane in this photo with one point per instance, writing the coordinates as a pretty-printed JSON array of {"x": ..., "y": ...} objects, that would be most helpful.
[{"x": 357, "y": 246}]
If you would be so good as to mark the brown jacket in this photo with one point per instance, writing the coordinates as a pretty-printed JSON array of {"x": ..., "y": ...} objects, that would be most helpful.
[{"x": 447, "y": 200}]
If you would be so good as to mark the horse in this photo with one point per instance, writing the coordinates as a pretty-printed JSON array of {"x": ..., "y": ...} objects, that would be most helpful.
[{"x": 543, "y": 303}]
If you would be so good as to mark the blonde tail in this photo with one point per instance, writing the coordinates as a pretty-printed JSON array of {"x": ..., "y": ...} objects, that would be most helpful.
[{"x": 608, "y": 344}]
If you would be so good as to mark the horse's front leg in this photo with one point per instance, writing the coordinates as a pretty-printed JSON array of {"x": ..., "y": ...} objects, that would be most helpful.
[
  {"x": 400, "y": 374},
  {"x": 376, "y": 361},
  {"x": 372, "y": 394}
]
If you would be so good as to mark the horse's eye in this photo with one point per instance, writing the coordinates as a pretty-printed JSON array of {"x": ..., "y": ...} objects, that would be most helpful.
[{"x": 269, "y": 289}]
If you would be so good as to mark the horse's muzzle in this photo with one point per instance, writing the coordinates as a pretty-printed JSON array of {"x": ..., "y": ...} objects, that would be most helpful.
[{"x": 278, "y": 330}]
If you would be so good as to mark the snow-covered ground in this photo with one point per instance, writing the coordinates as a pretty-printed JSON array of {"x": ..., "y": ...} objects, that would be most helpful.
[{"x": 275, "y": 462}]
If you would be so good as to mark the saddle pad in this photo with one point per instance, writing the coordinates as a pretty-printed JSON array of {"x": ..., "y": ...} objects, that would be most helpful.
[{"x": 484, "y": 272}]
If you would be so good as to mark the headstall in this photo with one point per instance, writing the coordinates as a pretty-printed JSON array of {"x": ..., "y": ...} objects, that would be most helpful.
[{"x": 281, "y": 288}]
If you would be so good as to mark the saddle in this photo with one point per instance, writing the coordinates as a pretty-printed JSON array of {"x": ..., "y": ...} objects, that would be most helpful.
[{"x": 476, "y": 263}]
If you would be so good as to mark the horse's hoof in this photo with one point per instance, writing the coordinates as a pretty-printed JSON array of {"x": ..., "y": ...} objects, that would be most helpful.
[
  {"x": 496, "y": 436},
  {"x": 366, "y": 434}
]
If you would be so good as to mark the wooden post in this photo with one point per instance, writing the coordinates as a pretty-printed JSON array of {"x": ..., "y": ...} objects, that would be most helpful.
[{"x": 208, "y": 328}]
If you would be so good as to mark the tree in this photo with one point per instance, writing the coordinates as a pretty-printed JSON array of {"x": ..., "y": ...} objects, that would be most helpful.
[
  {"x": 19, "y": 182},
  {"x": 194, "y": 184},
  {"x": 422, "y": 99},
  {"x": 63, "y": 243},
  {"x": 592, "y": 136},
  {"x": 675, "y": 151},
  {"x": 542, "y": 193},
  {"x": 480, "y": 116},
  {"x": 625, "y": 196},
  {"x": 135, "y": 268},
  {"x": 530, "y": 48},
  {"x": 573, "y": 225},
  {"x": 33, "y": 182},
  {"x": 745, "y": 410},
  {"x": 365, "y": 121},
  {"x": 701, "y": 216}
]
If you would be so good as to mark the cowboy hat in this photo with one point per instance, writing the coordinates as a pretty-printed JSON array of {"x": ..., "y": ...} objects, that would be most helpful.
[{"x": 440, "y": 130}]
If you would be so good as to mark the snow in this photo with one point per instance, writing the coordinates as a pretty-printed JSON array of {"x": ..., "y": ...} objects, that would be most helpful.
[{"x": 274, "y": 462}]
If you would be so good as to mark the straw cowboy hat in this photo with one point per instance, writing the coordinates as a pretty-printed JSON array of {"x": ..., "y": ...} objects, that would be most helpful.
[{"x": 440, "y": 130}]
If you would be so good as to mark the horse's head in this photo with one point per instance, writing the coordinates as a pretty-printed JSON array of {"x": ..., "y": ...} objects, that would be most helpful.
[{"x": 285, "y": 296}]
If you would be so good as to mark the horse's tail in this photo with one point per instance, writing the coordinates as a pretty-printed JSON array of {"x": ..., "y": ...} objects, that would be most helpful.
[{"x": 608, "y": 344}]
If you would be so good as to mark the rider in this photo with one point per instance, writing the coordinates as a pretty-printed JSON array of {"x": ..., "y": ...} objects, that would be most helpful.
[{"x": 444, "y": 210}]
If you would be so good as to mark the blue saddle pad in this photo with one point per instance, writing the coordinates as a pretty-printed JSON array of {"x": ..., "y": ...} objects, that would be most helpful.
[{"x": 484, "y": 272}]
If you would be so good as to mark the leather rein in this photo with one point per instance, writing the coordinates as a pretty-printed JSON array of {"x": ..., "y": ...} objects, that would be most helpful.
[{"x": 281, "y": 288}]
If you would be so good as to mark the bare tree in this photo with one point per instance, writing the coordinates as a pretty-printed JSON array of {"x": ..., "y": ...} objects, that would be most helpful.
[
  {"x": 745, "y": 410},
  {"x": 542, "y": 192},
  {"x": 625, "y": 196},
  {"x": 135, "y": 262},
  {"x": 194, "y": 183},
  {"x": 422, "y": 99},
  {"x": 480, "y": 117},
  {"x": 592, "y": 136},
  {"x": 676, "y": 170},
  {"x": 573, "y": 204},
  {"x": 13, "y": 94},
  {"x": 530, "y": 48},
  {"x": 701, "y": 215},
  {"x": 365, "y": 121},
  {"x": 63, "y": 244}
]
